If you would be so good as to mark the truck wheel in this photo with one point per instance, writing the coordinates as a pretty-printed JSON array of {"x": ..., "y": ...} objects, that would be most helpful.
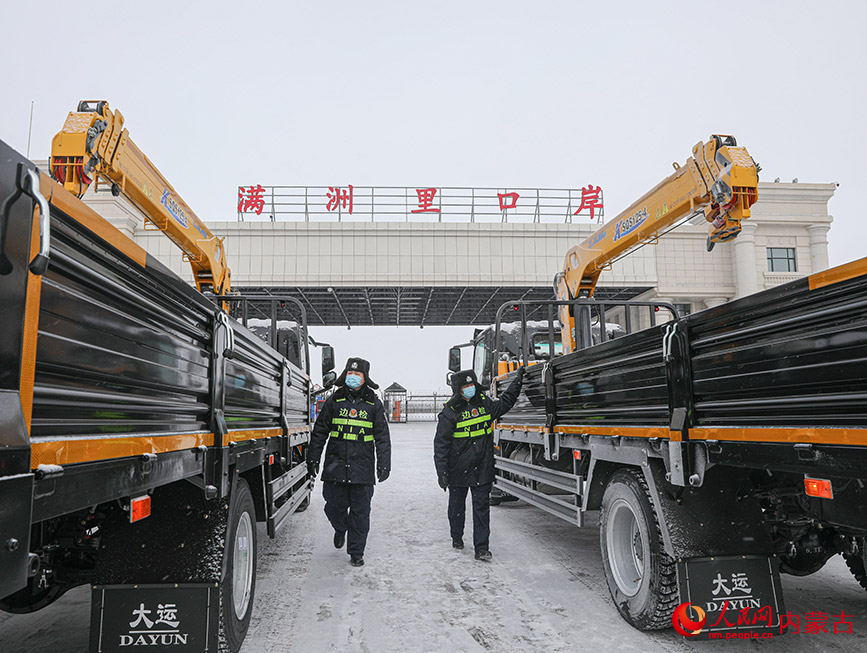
[
  {"x": 857, "y": 562},
  {"x": 642, "y": 578},
  {"x": 239, "y": 583}
]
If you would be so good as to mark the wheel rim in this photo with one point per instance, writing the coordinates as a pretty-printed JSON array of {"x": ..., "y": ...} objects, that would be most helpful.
[
  {"x": 242, "y": 582},
  {"x": 625, "y": 548}
]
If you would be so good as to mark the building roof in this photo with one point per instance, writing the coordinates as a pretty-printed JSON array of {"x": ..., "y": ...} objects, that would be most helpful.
[{"x": 396, "y": 388}]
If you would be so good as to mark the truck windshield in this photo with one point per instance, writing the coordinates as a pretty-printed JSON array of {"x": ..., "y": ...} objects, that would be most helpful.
[{"x": 541, "y": 346}]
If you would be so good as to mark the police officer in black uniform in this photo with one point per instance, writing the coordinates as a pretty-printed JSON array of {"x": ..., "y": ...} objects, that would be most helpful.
[
  {"x": 353, "y": 423},
  {"x": 464, "y": 454}
]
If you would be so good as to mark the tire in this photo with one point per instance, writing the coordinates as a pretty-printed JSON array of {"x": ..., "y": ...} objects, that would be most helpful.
[
  {"x": 641, "y": 577},
  {"x": 857, "y": 562},
  {"x": 238, "y": 584}
]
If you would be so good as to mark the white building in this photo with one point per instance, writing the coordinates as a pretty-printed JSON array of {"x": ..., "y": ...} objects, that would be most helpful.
[{"x": 786, "y": 238}]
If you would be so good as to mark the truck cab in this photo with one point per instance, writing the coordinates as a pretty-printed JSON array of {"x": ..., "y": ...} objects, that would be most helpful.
[{"x": 490, "y": 361}]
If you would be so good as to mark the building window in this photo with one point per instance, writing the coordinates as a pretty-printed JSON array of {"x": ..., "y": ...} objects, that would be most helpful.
[
  {"x": 781, "y": 259},
  {"x": 683, "y": 309}
]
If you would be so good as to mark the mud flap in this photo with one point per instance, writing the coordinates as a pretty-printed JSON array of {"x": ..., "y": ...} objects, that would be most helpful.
[
  {"x": 183, "y": 618},
  {"x": 180, "y": 545},
  {"x": 739, "y": 597}
]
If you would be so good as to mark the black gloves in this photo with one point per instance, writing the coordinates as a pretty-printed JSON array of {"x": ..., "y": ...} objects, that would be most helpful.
[
  {"x": 520, "y": 376},
  {"x": 382, "y": 473},
  {"x": 443, "y": 480},
  {"x": 313, "y": 468}
]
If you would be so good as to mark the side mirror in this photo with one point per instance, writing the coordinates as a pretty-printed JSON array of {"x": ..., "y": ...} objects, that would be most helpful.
[
  {"x": 327, "y": 359},
  {"x": 455, "y": 359},
  {"x": 328, "y": 379}
]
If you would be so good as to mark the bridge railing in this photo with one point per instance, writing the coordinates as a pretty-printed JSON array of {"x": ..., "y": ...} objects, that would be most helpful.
[{"x": 409, "y": 204}]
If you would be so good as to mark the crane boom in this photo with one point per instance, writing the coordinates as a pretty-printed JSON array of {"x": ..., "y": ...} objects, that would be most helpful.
[
  {"x": 719, "y": 180},
  {"x": 94, "y": 144}
]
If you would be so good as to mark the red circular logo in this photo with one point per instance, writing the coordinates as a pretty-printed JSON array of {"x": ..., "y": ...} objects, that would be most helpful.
[{"x": 684, "y": 624}]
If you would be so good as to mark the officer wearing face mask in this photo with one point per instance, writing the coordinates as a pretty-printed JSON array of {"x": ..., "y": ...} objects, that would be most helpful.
[
  {"x": 464, "y": 454},
  {"x": 352, "y": 422}
]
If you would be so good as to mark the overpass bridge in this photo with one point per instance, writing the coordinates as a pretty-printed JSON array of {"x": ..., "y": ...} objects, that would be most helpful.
[
  {"x": 410, "y": 274},
  {"x": 385, "y": 264}
]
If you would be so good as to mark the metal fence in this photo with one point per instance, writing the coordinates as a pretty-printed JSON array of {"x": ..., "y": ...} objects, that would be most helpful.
[
  {"x": 414, "y": 408},
  {"x": 434, "y": 204}
]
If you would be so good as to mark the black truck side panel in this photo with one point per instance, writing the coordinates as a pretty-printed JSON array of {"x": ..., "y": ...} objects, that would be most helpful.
[
  {"x": 530, "y": 405},
  {"x": 253, "y": 378},
  {"x": 620, "y": 382},
  {"x": 252, "y": 388},
  {"x": 789, "y": 356},
  {"x": 116, "y": 354},
  {"x": 126, "y": 350}
]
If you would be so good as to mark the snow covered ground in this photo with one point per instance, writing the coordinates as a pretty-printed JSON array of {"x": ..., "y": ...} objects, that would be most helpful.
[{"x": 544, "y": 590}]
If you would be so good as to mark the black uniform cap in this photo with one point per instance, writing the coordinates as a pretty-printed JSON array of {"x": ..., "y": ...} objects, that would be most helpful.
[
  {"x": 358, "y": 365},
  {"x": 459, "y": 379}
]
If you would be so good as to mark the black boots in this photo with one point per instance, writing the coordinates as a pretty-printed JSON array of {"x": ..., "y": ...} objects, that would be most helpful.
[
  {"x": 339, "y": 539},
  {"x": 484, "y": 555},
  {"x": 457, "y": 543}
]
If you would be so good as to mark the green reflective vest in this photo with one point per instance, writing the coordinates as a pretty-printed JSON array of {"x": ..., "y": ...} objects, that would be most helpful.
[
  {"x": 353, "y": 424},
  {"x": 473, "y": 423}
]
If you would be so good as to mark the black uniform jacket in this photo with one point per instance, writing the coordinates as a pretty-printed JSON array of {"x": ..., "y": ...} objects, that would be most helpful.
[
  {"x": 469, "y": 459},
  {"x": 351, "y": 459}
]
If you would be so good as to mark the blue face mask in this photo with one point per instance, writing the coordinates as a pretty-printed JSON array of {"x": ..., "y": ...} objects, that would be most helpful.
[
  {"x": 353, "y": 381},
  {"x": 469, "y": 393}
]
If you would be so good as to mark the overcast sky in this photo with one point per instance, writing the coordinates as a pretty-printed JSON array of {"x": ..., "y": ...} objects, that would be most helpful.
[{"x": 500, "y": 94}]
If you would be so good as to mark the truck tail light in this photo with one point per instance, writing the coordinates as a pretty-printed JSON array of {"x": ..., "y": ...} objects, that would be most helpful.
[
  {"x": 818, "y": 487},
  {"x": 576, "y": 454},
  {"x": 139, "y": 508},
  {"x": 271, "y": 459}
]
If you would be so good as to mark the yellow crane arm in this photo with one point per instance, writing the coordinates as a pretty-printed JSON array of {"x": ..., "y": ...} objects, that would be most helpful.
[
  {"x": 94, "y": 144},
  {"x": 719, "y": 180}
]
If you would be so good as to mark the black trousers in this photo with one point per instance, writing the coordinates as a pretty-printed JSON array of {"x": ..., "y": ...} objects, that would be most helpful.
[
  {"x": 481, "y": 500},
  {"x": 347, "y": 506}
]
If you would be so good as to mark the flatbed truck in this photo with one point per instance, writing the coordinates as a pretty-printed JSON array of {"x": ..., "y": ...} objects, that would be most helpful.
[
  {"x": 730, "y": 436},
  {"x": 143, "y": 430}
]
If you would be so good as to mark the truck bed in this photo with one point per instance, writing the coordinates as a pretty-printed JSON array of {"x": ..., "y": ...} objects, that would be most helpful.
[
  {"x": 116, "y": 376},
  {"x": 125, "y": 350},
  {"x": 785, "y": 365}
]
